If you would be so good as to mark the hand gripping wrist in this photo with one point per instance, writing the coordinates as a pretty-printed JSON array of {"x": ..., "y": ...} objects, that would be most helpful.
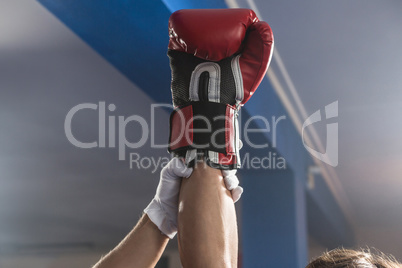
[{"x": 164, "y": 206}]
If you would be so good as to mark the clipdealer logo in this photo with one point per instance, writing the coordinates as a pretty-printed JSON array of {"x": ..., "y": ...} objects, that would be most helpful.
[
  {"x": 331, "y": 148},
  {"x": 122, "y": 122},
  {"x": 109, "y": 124}
]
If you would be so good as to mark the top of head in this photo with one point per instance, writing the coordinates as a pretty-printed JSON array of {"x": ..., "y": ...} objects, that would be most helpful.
[{"x": 212, "y": 34}]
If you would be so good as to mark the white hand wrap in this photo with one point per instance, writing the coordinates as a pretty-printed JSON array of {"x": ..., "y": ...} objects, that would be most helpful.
[
  {"x": 232, "y": 183},
  {"x": 163, "y": 208}
]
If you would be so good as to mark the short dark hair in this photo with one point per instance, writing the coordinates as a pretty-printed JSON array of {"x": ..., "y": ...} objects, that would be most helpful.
[{"x": 348, "y": 258}]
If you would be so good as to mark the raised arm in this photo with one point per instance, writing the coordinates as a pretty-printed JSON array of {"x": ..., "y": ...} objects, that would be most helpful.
[
  {"x": 142, "y": 247},
  {"x": 218, "y": 58}
]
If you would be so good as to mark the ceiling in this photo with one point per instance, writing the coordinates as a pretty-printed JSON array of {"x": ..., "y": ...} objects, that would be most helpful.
[{"x": 52, "y": 191}]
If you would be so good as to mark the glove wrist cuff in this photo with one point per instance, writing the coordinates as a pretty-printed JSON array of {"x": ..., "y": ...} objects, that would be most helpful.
[{"x": 207, "y": 127}]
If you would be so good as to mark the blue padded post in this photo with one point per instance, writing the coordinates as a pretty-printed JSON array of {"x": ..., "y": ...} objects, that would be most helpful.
[{"x": 274, "y": 225}]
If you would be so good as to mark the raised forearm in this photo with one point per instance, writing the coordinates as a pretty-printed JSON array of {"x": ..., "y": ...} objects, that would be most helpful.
[
  {"x": 207, "y": 221},
  {"x": 141, "y": 248}
]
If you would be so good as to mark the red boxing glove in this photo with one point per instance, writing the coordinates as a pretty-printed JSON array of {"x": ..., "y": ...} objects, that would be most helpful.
[{"x": 218, "y": 58}]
